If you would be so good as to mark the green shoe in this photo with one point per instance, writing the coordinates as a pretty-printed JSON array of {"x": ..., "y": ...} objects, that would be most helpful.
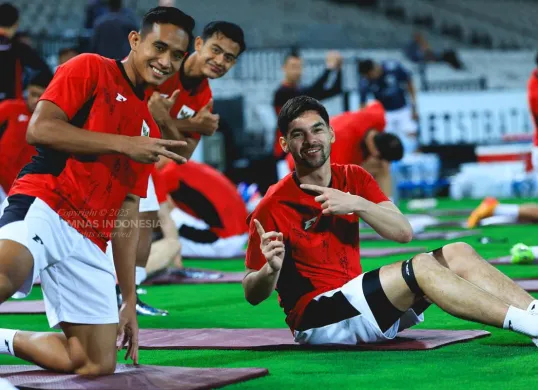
[{"x": 521, "y": 254}]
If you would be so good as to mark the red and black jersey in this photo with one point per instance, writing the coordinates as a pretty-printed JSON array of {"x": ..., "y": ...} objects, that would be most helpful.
[
  {"x": 190, "y": 100},
  {"x": 322, "y": 251},
  {"x": 15, "y": 57},
  {"x": 88, "y": 190},
  {"x": 532, "y": 91},
  {"x": 205, "y": 193},
  {"x": 15, "y": 152}
]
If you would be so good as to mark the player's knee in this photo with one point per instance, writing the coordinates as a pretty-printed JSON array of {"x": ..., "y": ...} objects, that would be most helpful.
[
  {"x": 415, "y": 271},
  {"x": 423, "y": 264},
  {"x": 457, "y": 256}
]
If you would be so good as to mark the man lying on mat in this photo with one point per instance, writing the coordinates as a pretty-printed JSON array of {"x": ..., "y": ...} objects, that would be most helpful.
[{"x": 304, "y": 242}]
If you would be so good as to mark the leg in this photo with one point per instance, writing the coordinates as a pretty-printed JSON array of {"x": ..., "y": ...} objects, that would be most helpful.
[
  {"x": 447, "y": 290},
  {"x": 16, "y": 263},
  {"x": 81, "y": 349},
  {"x": 150, "y": 219},
  {"x": 162, "y": 254},
  {"x": 465, "y": 262},
  {"x": 528, "y": 212}
]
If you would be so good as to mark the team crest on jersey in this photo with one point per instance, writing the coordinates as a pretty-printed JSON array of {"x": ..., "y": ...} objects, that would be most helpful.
[
  {"x": 185, "y": 112},
  {"x": 145, "y": 129},
  {"x": 308, "y": 224}
]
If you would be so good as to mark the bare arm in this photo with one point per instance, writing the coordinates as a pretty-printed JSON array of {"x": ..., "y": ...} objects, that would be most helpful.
[
  {"x": 50, "y": 127},
  {"x": 259, "y": 285},
  {"x": 413, "y": 96},
  {"x": 385, "y": 219},
  {"x": 124, "y": 244}
]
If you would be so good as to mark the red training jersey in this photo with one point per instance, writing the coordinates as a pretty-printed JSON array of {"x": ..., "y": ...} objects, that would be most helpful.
[
  {"x": 322, "y": 251},
  {"x": 88, "y": 191},
  {"x": 189, "y": 102},
  {"x": 203, "y": 192},
  {"x": 15, "y": 152},
  {"x": 350, "y": 128},
  {"x": 532, "y": 89}
]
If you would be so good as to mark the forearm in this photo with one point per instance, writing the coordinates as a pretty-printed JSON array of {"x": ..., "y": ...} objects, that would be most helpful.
[
  {"x": 124, "y": 246},
  {"x": 259, "y": 285},
  {"x": 171, "y": 131},
  {"x": 387, "y": 222},
  {"x": 60, "y": 135},
  {"x": 412, "y": 93}
]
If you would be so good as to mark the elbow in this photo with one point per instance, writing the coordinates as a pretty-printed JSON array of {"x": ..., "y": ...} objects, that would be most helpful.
[
  {"x": 406, "y": 234},
  {"x": 252, "y": 301},
  {"x": 36, "y": 133}
]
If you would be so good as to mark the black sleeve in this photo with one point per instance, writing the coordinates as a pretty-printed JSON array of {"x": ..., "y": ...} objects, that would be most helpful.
[
  {"x": 282, "y": 95},
  {"x": 319, "y": 90},
  {"x": 30, "y": 58}
]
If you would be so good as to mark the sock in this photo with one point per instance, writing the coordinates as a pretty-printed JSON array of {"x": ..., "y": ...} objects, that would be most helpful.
[
  {"x": 534, "y": 250},
  {"x": 6, "y": 341},
  {"x": 507, "y": 210},
  {"x": 533, "y": 307},
  {"x": 140, "y": 275},
  {"x": 521, "y": 321}
]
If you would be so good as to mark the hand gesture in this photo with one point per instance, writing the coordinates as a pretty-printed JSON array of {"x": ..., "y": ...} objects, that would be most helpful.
[
  {"x": 147, "y": 149},
  {"x": 128, "y": 331},
  {"x": 333, "y": 201},
  {"x": 205, "y": 121},
  {"x": 333, "y": 60},
  {"x": 160, "y": 107},
  {"x": 272, "y": 246}
]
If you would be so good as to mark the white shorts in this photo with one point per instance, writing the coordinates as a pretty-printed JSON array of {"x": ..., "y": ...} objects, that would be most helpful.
[
  {"x": 401, "y": 123},
  {"x": 357, "y": 329},
  {"x": 534, "y": 158},
  {"x": 77, "y": 278},
  {"x": 150, "y": 202},
  {"x": 233, "y": 246}
]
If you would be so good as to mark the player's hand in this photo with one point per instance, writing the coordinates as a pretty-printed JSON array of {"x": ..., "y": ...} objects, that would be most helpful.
[
  {"x": 128, "y": 331},
  {"x": 147, "y": 149},
  {"x": 205, "y": 121},
  {"x": 272, "y": 246},
  {"x": 333, "y": 60},
  {"x": 334, "y": 201},
  {"x": 160, "y": 107}
]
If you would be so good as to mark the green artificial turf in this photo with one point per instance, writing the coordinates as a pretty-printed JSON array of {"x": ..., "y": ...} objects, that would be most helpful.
[{"x": 503, "y": 360}]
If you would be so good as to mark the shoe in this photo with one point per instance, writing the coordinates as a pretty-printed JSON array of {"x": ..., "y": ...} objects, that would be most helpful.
[
  {"x": 521, "y": 254},
  {"x": 484, "y": 210},
  {"x": 190, "y": 273},
  {"x": 143, "y": 309}
]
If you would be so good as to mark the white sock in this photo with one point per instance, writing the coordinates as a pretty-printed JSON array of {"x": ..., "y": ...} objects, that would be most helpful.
[
  {"x": 140, "y": 275},
  {"x": 533, "y": 307},
  {"x": 521, "y": 321},
  {"x": 6, "y": 341},
  {"x": 534, "y": 250},
  {"x": 507, "y": 210}
]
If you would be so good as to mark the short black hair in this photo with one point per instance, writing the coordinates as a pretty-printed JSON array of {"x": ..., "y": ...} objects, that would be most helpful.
[
  {"x": 9, "y": 15},
  {"x": 293, "y": 53},
  {"x": 295, "y": 107},
  {"x": 365, "y": 66},
  {"x": 167, "y": 15},
  {"x": 66, "y": 50},
  {"x": 115, "y": 5},
  {"x": 389, "y": 146},
  {"x": 229, "y": 30},
  {"x": 41, "y": 79}
]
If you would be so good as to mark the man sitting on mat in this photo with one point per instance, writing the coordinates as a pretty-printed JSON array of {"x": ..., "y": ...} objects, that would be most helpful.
[
  {"x": 304, "y": 242},
  {"x": 209, "y": 214}
]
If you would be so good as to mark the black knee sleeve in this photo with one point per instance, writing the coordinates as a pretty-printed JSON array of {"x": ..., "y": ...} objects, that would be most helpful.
[{"x": 409, "y": 277}]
